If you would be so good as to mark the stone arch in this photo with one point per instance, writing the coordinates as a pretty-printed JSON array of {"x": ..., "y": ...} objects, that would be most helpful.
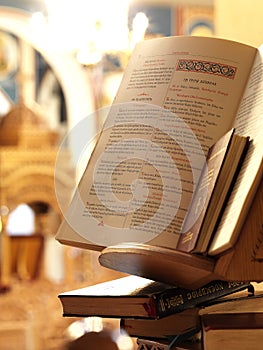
[{"x": 79, "y": 101}]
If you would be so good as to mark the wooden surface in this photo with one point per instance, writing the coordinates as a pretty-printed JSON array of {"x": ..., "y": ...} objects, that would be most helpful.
[
  {"x": 26, "y": 255},
  {"x": 160, "y": 264},
  {"x": 244, "y": 262}
]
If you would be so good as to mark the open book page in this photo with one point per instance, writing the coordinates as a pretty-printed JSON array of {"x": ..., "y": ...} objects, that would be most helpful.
[
  {"x": 249, "y": 121},
  {"x": 200, "y": 80},
  {"x": 178, "y": 96}
]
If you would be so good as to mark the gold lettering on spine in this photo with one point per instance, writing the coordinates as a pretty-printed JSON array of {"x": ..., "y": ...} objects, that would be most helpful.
[
  {"x": 205, "y": 291},
  {"x": 162, "y": 305}
]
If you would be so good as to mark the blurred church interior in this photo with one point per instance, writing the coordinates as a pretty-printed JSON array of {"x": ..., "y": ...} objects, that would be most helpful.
[{"x": 61, "y": 63}]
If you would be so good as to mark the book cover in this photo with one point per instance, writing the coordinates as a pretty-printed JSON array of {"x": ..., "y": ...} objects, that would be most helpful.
[
  {"x": 178, "y": 323},
  {"x": 233, "y": 324},
  {"x": 235, "y": 331},
  {"x": 134, "y": 296}
]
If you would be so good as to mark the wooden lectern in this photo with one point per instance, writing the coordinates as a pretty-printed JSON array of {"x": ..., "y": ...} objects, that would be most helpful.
[{"x": 243, "y": 262}]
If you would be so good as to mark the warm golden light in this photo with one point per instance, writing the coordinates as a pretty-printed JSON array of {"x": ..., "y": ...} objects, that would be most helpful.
[
  {"x": 76, "y": 24},
  {"x": 3, "y": 213},
  {"x": 99, "y": 324},
  {"x": 88, "y": 29},
  {"x": 139, "y": 26},
  {"x": 21, "y": 221}
]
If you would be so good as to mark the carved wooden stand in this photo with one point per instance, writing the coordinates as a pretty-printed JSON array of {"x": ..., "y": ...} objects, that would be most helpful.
[
  {"x": 144, "y": 344},
  {"x": 241, "y": 263}
]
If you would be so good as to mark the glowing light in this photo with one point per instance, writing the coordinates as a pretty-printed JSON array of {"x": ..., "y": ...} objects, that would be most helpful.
[
  {"x": 21, "y": 221},
  {"x": 88, "y": 29},
  {"x": 139, "y": 26},
  {"x": 124, "y": 341}
]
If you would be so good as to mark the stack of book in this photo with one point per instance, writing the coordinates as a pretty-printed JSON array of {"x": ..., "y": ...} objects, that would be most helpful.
[
  {"x": 149, "y": 309},
  {"x": 235, "y": 325},
  {"x": 172, "y": 192}
]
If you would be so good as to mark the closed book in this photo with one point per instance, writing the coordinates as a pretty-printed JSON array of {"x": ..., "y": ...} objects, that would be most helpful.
[
  {"x": 178, "y": 323},
  {"x": 233, "y": 324},
  {"x": 235, "y": 331},
  {"x": 223, "y": 162},
  {"x": 134, "y": 296}
]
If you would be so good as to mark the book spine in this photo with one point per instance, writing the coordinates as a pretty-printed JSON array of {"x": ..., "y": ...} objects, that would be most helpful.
[{"x": 178, "y": 299}]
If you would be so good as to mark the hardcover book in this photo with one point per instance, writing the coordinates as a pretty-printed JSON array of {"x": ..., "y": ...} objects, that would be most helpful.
[
  {"x": 134, "y": 296},
  {"x": 163, "y": 328},
  {"x": 234, "y": 324},
  {"x": 235, "y": 331}
]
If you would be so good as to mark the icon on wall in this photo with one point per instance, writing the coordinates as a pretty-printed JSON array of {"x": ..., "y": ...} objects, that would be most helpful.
[{"x": 201, "y": 28}]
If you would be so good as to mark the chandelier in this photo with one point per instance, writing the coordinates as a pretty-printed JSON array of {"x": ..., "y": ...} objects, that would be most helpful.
[{"x": 89, "y": 29}]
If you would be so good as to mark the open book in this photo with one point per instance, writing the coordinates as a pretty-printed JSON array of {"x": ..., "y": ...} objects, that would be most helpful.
[{"x": 178, "y": 96}]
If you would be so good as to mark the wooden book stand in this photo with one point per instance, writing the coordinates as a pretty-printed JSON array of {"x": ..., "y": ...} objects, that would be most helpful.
[{"x": 243, "y": 262}]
